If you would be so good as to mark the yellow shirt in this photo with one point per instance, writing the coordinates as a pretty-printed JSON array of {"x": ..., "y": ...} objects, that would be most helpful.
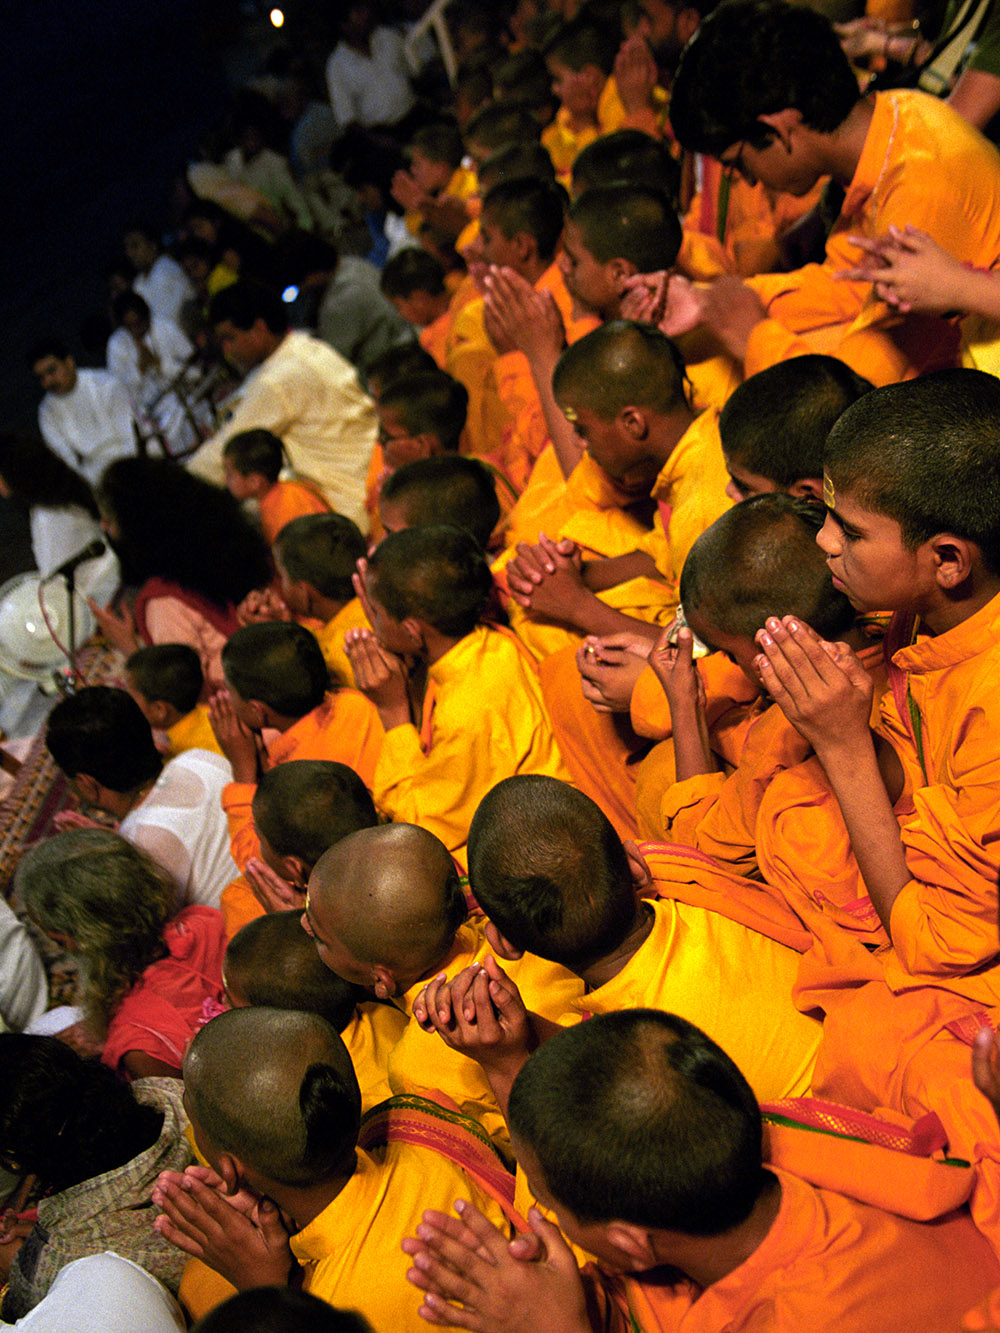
[
  {"x": 730, "y": 981},
  {"x": 351, "y": 1252},
  {"x": 331, "y": 640},
  {"x": 483, "y": 720},
  {"x": 369, "y": 1037},
  {"x": 421, "y": 1062},
  {"x": 690, "y": 494},
  {"x": 192, "y": 732}
]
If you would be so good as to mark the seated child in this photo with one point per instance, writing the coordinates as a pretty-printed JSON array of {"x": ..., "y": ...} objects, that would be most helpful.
[
  {"x": 416, "y": 926},
  {"x": 554, "y": 880},
  {"x": 436, "y": 188},
  {"x": 315, "y": 558},
  {"x": 166, "y": 681},
  {"x": 459, "y": 700},
  {"x": 252, "y": 461},
  {"x": 95, "y": 1147},
  {"x": 775, "y": 425},
  {"x": 627, "y": 155},
  {"x": 275, "y": 1109},
  {"x": 804, "y": 396},
  {"x": 277, "y": 680},
  {"x": 623, "y": 389},
  {"x": 272, "y": 963},
  {"x": 413, "y": 282},
  {"x": 146, "y": 974},
  {"x": 579, "y": 58},
  {"x": 694, "y": 1231},
  {"x": 419, "y": 416},
  {"x": 280, "y": 829},
  {"x": 447, "y": 489},
  {"x": 104, "y": 745}
]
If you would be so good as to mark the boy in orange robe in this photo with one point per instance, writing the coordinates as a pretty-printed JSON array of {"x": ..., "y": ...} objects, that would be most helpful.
[
  {"x": 912, "y": 476},
  {"x": 252, "y": 463},
  {"x": 900, "y": 157},
  {"x": 772, "y": 432},
  {"x": 692, "y": 1231},
  {"x": 279, "y": 829}
]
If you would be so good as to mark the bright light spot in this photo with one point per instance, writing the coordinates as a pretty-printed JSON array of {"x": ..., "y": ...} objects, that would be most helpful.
[
  {"x": 289, "y": 295},
  {"x": 277, "y": 17}
]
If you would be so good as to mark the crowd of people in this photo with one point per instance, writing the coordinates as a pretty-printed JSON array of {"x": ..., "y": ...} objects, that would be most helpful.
[{"x": 536, "y": 860}]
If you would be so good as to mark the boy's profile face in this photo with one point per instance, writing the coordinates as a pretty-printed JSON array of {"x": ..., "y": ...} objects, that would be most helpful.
[
  {"x": 497, "y": 248},
  {"x": 626, "y": 460},
  {"x": 294, "y": 594},
  {"x": 578, "y": 90},
  {"x": 388, "y": 630},
  {"x": 430, "y": 176},
  {"x": 333, "y": 953},
  {"x": 867, "y": 558},
  {"x": 743, "y": 483},
  {"x": 399, "y": 444},
  {"x": 740, "y": 651},
  {"x": 240, "y": 486},
  {"x": 591, "y": 284}
]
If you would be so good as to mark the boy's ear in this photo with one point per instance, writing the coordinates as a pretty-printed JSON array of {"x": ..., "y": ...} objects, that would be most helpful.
[
  {"x": 783, "y": 124},
  {"x": 259, "y": 714},
  {"x": 430, "y": 445},
  {"x": 635, "y": 422},
  {"x": 501, "y": 945},
  {"x": 417, "y": 631},
  {"x": 88, "y": 788},
  {"x": 686, "y": 24},
  {"x": 641, "y": 875},
  {"x": 807, "y": 488},
  {"x": 621, "y": 270},
  {"x": 384, "y": 984},
  {"x": 527, "y": 246},
  {"x": 633, "y": 1244},
  {"x": 159, "y": 712},
  {"x": 954, "y": 559},
  {"x": 297, "y": 871}
]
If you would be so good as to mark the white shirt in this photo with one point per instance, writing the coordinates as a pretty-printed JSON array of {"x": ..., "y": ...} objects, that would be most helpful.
[
  {"x": 106, "y": 1292},
  {"x": 24, "y": 987},
  {"x": 370, "y": 90},
  {"x": 90, "y": 426},
  {"x": 183, "y": 827},
  {"x": 310, "y": 397},
  {"x": 165, "y": 288}
]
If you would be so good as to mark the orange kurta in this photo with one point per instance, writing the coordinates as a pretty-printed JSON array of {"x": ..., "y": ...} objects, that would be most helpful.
[
  {"x": 192, "y": 732},
  {"x": 287, "y": 500},
  {"x": 827, "y": 1264},
  {"x": 922, "y": 163}
]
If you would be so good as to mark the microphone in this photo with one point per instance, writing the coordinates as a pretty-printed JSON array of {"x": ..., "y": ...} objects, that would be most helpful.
[{"x": 70, "y": 566}]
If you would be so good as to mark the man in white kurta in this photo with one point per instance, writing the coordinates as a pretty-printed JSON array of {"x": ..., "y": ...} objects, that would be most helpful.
[
  {"x": 298, "y": 388},
  {"x": 85, "y": 416}
]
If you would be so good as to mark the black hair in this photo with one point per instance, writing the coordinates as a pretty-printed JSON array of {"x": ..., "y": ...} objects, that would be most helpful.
[
  {"x": 501, "y": 123},
  {"x": 66, "y": 1119},
  {"x": 277, "y": 663},
  {"x": 760, "y": 559},
  {"x": 627, "y": 156},
  {"x": 175, "y": 526},
  {"x": 639, "y": 1116},
  {"x": 436, "y": 574},
  {"x": 926, "y": 454},
  {"x": 535, "y": 207},
  {"x": 637, "y": 223},
  {"x": 274, "y": 963},
  {"x": 441, "y": 141},
  {"x": 304, "y": 806},
  {"x": 620, "y": 364},
  {"x": 100, "y": 731},
  {"x": 52, "y": 345},
  {"x": 322, "y": 550},
  {"x": 524, "y": 77},
  {"x": 518, "y": 161},
  {"x": 128, "y": 301},
  {"x": 246, "y": 301},
  {"x": 752, "y": 58},
  {"x": 578, "y": 44},
  {"x": 279, "y": 1310},
  {"x": 168, "y": 673},
  {"x": 447, "y": 489},
  {"x": 431, "y": 403},
  {"x": 412, "y": 270},
  {"x": 37, "y": 476},
  {"x": 256, "y": 450},
  {"x": 776, "y": 422},
  {"x": 549, "y": 870}
]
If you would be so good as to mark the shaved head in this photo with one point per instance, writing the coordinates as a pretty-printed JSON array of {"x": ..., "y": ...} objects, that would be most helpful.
[
  {"x": 621, "y": 364},
  {"x": 550, "y": 872},
  {"x": 277, "y": 1090},
  {"x": 387, "y": 897}
]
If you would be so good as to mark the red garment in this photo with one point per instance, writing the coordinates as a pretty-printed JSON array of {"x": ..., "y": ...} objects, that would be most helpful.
[
  {"x": 167, "y": 1005},
  {"x": 222, "y": 619}
]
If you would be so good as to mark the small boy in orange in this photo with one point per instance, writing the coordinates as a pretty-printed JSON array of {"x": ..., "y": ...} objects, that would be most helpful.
[
  {"x": 166, "y": 681},
  {"x": 252, "y": 463}
]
